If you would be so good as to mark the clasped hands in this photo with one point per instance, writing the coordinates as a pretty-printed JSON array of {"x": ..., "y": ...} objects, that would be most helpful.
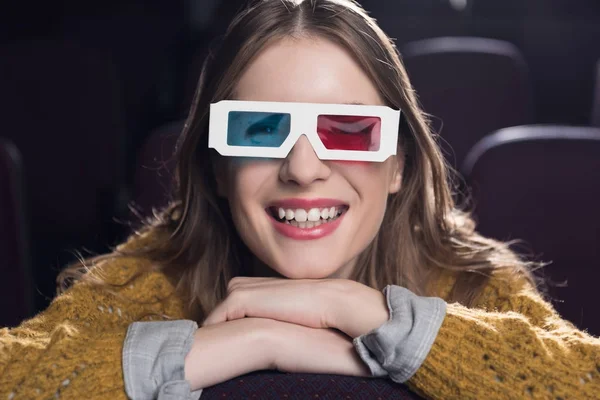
[
  {"x": 310, "y": 319},
  {"x": 346, "y": 305}
]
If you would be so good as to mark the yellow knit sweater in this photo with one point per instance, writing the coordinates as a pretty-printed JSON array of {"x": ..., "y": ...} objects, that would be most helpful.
[{"x": 512, "y": 345}]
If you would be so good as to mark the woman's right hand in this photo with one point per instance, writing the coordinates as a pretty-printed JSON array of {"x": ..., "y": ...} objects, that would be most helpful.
[
  {"x": 227, "y": 350},
  {"x": 297, "y": 348},
  {"x": 224, "y": 351}
]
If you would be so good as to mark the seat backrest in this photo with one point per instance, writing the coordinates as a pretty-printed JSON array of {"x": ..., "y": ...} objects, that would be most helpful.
[
  {"x": 541, "y": 184},
  {"x": 15, "y": 285},
  {"x": 155, "y": 166},
  {"x": 471, "y": 86},
  {"x": 275, "y": 385}
]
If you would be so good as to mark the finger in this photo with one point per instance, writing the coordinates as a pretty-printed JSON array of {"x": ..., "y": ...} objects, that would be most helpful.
[
  {"x": 232, "y": 308},
  {"x": 240, "y": 282},
  {"x": 259, "y": 283},
  {"x": 215, "y": 317}
]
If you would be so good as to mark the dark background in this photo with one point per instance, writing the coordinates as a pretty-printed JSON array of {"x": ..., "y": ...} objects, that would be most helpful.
[{"x": 84, "y": 84}]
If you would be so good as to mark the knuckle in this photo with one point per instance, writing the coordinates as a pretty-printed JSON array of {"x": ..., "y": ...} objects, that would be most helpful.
[{"x": 234, "y": 283}]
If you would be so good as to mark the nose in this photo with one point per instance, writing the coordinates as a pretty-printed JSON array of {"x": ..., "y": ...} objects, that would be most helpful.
[{"x": 302, "y": 166}]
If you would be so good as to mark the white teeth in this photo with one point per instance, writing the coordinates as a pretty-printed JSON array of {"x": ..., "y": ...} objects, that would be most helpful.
[
  {"x": 314, "y": 214},
  {"x": 310, "y": 224},
  {"x": 294, "y": 223},
  {"x": 302, "y": 225},
  {"x": 289, "y": 214},
  {"x": 301, "y": 215}
]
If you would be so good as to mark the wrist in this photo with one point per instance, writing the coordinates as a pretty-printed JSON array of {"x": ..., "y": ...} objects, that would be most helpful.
[
  {"x": 337, "y": 299},
  {"x": 226, "y": 350},
  {"x": 264, "y": 342},
  {"x": 356, "y": 309}
]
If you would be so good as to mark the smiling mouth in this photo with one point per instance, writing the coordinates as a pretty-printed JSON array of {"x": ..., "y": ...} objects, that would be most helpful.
[{"x": 306, "y": 219}]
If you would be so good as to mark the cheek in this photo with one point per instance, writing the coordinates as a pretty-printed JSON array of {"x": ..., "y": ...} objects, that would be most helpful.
[
  {"x": 364, "y": 174},
  {"x": 371, "y": 182},
  {"x": 248, "y": 181},
  {"x": 242, "y": 198}
]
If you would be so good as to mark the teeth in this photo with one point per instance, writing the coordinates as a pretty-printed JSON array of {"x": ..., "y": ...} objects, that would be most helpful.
[
  {"x": 301, "y": 215},
  {"x": 315, "y": 216},
  {"x": 289, "y": 214}
]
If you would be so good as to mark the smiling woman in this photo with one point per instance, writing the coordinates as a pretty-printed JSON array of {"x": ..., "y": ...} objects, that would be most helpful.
[{"x": 313, "y": 216}]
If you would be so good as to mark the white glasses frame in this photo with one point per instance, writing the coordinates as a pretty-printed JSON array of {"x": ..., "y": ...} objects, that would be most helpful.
[{"x": 303, "y": 122}]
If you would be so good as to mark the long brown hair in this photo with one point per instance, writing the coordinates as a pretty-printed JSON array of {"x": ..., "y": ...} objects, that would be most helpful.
[{"x": 423, "y": 234}]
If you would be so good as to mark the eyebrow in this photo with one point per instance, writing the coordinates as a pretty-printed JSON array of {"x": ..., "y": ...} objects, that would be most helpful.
[{"x": 356, "y": 103}]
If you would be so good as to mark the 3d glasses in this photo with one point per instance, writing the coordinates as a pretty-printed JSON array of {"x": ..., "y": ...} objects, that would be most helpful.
[{"x": 336, "y": 131}]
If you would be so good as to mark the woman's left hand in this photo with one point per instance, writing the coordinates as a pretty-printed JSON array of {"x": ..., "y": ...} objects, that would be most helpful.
[{"x": 349, "y": 306}]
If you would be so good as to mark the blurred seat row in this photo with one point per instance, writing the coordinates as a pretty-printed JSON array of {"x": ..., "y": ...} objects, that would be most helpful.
[{"x": 61, "y": 108}]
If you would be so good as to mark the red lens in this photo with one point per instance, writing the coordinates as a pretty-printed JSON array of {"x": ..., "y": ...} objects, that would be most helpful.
[{"x": 349, "y": 132}]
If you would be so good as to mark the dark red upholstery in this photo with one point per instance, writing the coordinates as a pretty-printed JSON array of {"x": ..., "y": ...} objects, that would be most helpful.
[
  {"x": 15, "y": 285},
  {"x": 155, "y": 167},
  {"x": 472, "y": 86},
  {"x": 276, "y": 386},
  {"x": 542, "y": 184}
]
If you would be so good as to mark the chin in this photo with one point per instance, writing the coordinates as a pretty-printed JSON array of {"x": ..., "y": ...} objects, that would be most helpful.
[{"x": 309, "y": 269}]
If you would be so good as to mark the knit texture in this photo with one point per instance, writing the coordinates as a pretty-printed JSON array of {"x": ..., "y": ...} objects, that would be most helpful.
[
  {"x": 73, "y": 350},
  {"x": 512, "y": 345}
]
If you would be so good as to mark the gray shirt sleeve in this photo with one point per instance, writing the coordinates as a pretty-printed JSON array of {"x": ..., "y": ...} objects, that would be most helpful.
[
  {"x": 398, "y": 347},
  {"x": 153, "y": 360}
]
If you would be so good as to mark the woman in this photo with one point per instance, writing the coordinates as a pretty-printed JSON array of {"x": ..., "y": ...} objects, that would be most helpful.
[{"x": 297, "y": 230}]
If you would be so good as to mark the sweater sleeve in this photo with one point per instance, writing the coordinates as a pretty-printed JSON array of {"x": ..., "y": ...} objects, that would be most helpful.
[
  {"x": 398, "y": 347},
  {"x": 512, "y": 345},
  {"x": 73, "y": 350},
  {"x": 154, "y": 359}
]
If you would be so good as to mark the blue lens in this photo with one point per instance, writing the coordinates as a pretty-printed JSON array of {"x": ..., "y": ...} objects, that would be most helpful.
[{"x": 262, "y": 129}]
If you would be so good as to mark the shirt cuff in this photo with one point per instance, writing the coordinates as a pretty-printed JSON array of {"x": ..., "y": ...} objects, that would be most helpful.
[
  {"x": 399, "y": 347},
  {"x": 154, "y": 359}
]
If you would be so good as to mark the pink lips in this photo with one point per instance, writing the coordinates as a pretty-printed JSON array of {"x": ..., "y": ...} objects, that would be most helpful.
[{"x": 317, "y": 232}]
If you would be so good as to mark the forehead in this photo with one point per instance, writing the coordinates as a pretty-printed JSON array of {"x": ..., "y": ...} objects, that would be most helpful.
[{"x": 306, "y": 70}]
